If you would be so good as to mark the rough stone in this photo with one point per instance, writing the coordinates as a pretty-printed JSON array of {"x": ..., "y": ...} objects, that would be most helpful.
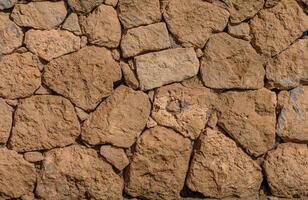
[
  {"x": 116, "y": 54},
  {"x": 72, "y": 24},
  {"x": 6, "y": 4},
  {"x": 115, "y": 156},
  {"x": 151, "y": 123},
  {"x": 129, "y": 76},
  {"x": 6, "y": 118},
  {"x": 241, "y": 31},
  {"x": 84, "y": 6},
  {"x": 43, "y": 90},
  {"x": 12, "y": 102},
  {"x": 33, "y": 156},
  {"x": 112, "y": 3},
  {"x": 271, "y": 3},
  {"x": 82, "y": 115}
]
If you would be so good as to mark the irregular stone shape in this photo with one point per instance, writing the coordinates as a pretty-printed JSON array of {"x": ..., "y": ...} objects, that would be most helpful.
[
  {"x": 231, "y": 63},
  {"x": 71, "y": 24},
  {"x": 129, "y": 76},
  {"x": 249, "y": 118},
  {"x": 188, "y": 23},
  {"x": 20, "y": 75},
  {"x": 114, "y": 156},
  {"x": 159, "y": 165},
  {"x": 133, "y": 13},
  {"x": 17, "y": 175},
  {"x": 82, "y": 115},
  {"x": 85, "y": 77},
  {"x": 44, "y": 122},
  {"x": 84, "y": 6},
  {"x": 102, "y": 27},
  {"x": 6, "y": 115},
  {"x": 144, "y": 39},
  {"x": 168, "y": 66},
  {"x": 11, "y": 36},
  {"x": 40, "y": 15},
  {"x": 6, "y": 4},
  {"x": 290, "y": 67},
  {"x": 119, "y": 119},
  {"x": 271, "y": 3},
  {"x": 221, "y": 169},
  {"x": 184, "y": 109},
  {"x": 51, "y": 44},
  {"x": 33, "y": 156},
  {"x": 286, "y": 170},
  {"x": 111, "y": 2},
  {"x": 274, "y": 29},
  {"x": 76, "y": 172},
  {"x": 241, "y": 31}
]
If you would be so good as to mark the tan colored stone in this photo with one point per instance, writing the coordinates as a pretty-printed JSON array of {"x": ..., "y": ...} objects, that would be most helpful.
[
  {"x": 164, "y": 67},
  {"x": 76, "y": 172},
  {"x": 241, "y": 31},
  {"x": 102, "y": 27},
  {"x": 84, "y": 6},
  {"x": 231, "y": 63},
  {"x": 111, "y": 2},
  {"x": 33, "y": 156},
  {"x": 115, "y": 156},
  {"x": 6, "y": 4},
  {"x": 12, "y": 102},
  {"x": 188, "y": 23},
  {"x": 72, "y": 24},
  {"x": 221, "y": 169},
  {"x": 116, "y": 54},
  {"x": 286, "y": 170},
  {"x": 51, "y": 44},
  {"x": 118, "y": 120},
  {"x": 83, "y": 41},
  {"x": 85, "y": 77},
  {"x": 159, "y": 164},
  {"x": 6, "y": 119},
  {"x": 44, "y": 122},
  {"x": 151, "y": 123},
  {"x": 271, "y": 3},
  {"x": 20, "y": 76},
  {"x": 43, "y": 90},
  {"x": 82, "y": 115},
  {"x": 129, "y": 76},
  {"x": 40, "y": 15}
]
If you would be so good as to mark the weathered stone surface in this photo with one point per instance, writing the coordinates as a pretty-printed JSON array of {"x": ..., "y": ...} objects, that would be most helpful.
[
  {"x": 274, "y": 29},
  {"x": 271, "y": 3},
  {"x": 102, "y": 27},
  {"x": 40, "y": 15},
  {"x": 72, "y": 24},
  {"x": 249, "y": 118},
  {"x": 241, "y": 31},
  {"x": 129, "y": 76},
  {"x": 290, "y": 67},
  {"x": 115, "y": 156},
  {"x": 82, "y": 115},
  {"x": 188, "y": 23},
  {"x": 44, "y": 122},
  {"x": 286, "y": 170},
  {"x": 111, "y": 2},
  {"x": 17, "y": 175},
  {"x": 119, "y": 119},
  {"x": 6, "y": 4},
  {"x": 84, "y": 6},
  {"x": 159, "y": 165},
  {"x": 133, "y": 13},
  {"x": 168, "y": 66},
  {"x": 6, "y": 115},
  {"x": 85, "y": 77},
  {"x": 144, "y": 39},
  {"x": 221, "y": 169},
  {"x": 231, "y": 63},
  {"x": 184, "y": 109},
  {"x": 11, "y": 35},
  {"x": 76, "y": 172},
  {"x": 20, "y": 76},
  {"x": 51, "y": 44},
  {"x": 33, "y": 156}
]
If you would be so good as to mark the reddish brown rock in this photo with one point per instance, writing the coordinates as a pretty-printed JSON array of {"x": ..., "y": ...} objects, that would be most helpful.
[
  {"x": 271, "y": 3},
  {"x": 111, "y": 2},
  {"x": 72, "y": 24},
  {"x": 84, "y": 6},
  {"x": 6, "y": 115},
  {"x": 159, "y": 165},
  {"x": 115, "y": 156},
  {"x": 129, "y": 75},
  {"x": 241, "y": 31},
  {"x": 33, "y": 156}
]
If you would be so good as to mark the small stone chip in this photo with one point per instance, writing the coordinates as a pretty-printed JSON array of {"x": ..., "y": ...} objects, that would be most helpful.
[
  {"x": 33, "y": 156},
  {"x": 71, "y": 24},
  {"x": 84, "y": 6},
  {"x": 115, "y": 156},
  {"x": 6, "y": 119}
]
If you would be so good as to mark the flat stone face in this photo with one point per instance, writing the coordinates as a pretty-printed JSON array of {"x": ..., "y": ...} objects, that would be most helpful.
[
  {"x": 33, "y": 156},
  {"x": 76, "y": 172},
  {"x": 159, "y": 165},
  {"x": 221, "y": 169},
  {"x": 188, "y": 23},
  {"x": 20, "y": 75},
  {"x": 6, "y": 115},
  {"x": 84, "y": 6},
  {"x": 153, "y": 37},
  {"x": 72, "y": 24},
  {"x": 286, "y": 170},
  {"x": 274, "y": 29},
  {"x": 241, "y": 31},
  {"x": 133, "y": 13},
  {"x": 40, "y": 15},
  {"x": 168, "y": 66},
  {"x": 85, "y": 77},
  {"x": 44, "y": 122},
  {"x": 115, "y": 156},
  {"x": 249, "y": 118},
  {"x": 231, "y": 63},
  {"x": 118, "y": 120}
]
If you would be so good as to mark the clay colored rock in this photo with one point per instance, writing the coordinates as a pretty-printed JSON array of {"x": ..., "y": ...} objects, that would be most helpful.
[
  {"x": 85, "y": 77},
  {"x": 221, "y": 169},
  {"x": 241, "y": 31},
  {"x": 188, "y": 23},
  {"x": 33, "y": 156},
  {"x": 76, "y": 172},
  {"x": 231, "y": 63},
  {"x": 115, "y": 156},
  {"x": 6, "y": 118},
  {"x": 44, "y": 122},
  {"x": 159, "y": 165},
  {"x": 168, "y": 66},
  {"x": 72, "y": 24},
  {"x": 84, "y": 6},
  {"x": 129, "y": 76}
]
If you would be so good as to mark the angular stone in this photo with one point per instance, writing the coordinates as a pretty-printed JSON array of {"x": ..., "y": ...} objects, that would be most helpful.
[
  {"x": 40, "y": 15},
  {"x": 82, "y": 115},
  {"x": 286, "y": 170},
  {"x": 6, "y": 4},
  {"x": 129, "y": 76},
  {"x": 33, "y": 156},
  {"x": 102, "y": 27},
  {"x": 271, "y": 3},
  {"x": 44, "y": 122},
  {"x": 188, "y": 23},
  {"x": 111, "y": 2},
  {"x": 164, "y": 67},
  {"x": 51, "y": 44},
  {"x": 76, "y": 172},
  {"x": 159, "y": 165},
  {"x": 6, "y": 119},
  {"x": 115, "y": 156},
  {"x": 221, "y": 169},
  {"x": 241, "y": 31},
  {"x": 153, "y": 37},
  {"x": 72, "y": 24},
  {"x": 249, "y": 118},
  {"x": 133, "y": 13},
  {"x": 118, "y": 120},
  {"x": 274, "y": 29},
  {"x": 84, "y": 6},
  {"x": 85, "y": 77},
  {"x": 20, "y": 75}
]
